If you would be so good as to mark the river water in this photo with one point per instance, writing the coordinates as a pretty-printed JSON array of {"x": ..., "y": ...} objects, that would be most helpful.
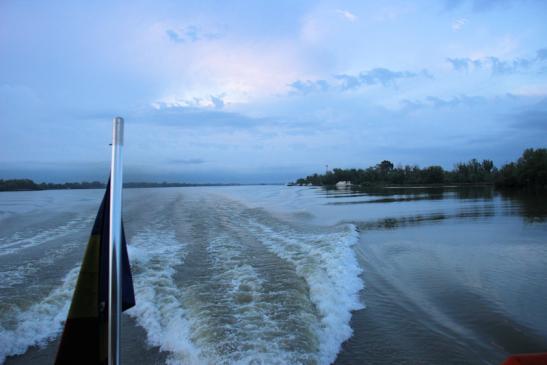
[{"x": 289, "y": 275}]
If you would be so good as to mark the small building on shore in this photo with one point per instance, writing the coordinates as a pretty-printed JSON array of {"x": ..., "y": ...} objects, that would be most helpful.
[{"x": 343, "y": 184}]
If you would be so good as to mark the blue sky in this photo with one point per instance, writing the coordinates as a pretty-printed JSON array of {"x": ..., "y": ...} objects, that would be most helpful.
[{"x": 267, "y": 91}]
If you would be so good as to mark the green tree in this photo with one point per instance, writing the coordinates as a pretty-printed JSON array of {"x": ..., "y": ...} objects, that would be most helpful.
[{"x": 434, "y": 175}]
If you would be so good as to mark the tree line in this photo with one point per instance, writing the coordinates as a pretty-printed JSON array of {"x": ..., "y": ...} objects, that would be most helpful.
[
  {"x": 27, "y": 184},
  {"x": 530, "y": 170}
]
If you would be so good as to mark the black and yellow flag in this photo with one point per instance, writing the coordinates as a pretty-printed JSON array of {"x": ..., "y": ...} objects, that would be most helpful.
[{"x": 85, "y": 336}]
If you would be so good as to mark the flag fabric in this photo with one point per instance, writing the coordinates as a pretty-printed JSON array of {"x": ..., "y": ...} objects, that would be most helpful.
[{"x": 85, "y": 335}]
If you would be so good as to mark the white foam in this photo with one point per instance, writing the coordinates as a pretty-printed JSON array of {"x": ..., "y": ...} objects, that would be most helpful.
[
  {"x": 250, "y": 338},
  {"x": 154, "y": 254},
  {"x": 15, "y": 242},
  {"x": 327, "y": 262},
  {"x": 18, "y": 274},
  {"x": 40, "y": 323}
]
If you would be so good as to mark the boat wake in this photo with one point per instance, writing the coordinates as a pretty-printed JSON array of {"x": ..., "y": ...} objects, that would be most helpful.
[
  {"x": 217, "y": 282},
  {"x": 224, "y": 284},
  {"x": 40, "y": 323}
]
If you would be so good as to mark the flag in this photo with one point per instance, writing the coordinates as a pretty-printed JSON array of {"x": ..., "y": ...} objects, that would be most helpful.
[{"x": 85, "y": 335}]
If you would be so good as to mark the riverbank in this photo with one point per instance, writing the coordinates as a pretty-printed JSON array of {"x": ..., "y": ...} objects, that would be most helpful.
[
  {"x": 30, "y": 185},
  {"x": 398, "y": 186},
  {"x": 529, "y": 171}
]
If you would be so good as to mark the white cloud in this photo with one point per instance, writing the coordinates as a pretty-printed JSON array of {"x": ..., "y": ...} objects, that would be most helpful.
[
  {"x": 195, "y": 102},
  {"x": 539, "y": 90},
  {"x": 458, "y": 24},
  {"x": 240, "y": 70},
  {"x": 347, "y": 15}
]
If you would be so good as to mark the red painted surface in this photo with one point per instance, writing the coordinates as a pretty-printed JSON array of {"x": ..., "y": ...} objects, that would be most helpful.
[{"x": 527, "y": 359}]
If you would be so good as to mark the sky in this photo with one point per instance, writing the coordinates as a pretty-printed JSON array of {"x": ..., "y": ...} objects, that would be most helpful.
[{"x": 267, "y": 91}]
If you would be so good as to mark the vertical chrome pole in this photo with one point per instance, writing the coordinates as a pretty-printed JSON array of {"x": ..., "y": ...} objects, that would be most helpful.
[{"x": 115, "y": 280}]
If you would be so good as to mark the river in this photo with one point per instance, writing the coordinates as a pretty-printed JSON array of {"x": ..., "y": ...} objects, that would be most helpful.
[{"x": 289, "y": 275}]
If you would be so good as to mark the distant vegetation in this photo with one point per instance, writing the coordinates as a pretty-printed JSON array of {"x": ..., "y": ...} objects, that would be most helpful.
[
  {"x": 530, "y": 170},
  {"x": 27, "y": 184}
]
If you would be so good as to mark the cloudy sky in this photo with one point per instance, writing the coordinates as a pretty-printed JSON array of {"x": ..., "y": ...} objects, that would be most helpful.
[{"x": 267, "y": 90}]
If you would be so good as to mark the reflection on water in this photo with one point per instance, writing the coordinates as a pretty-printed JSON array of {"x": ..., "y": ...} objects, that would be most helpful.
[{"x": 531, "y": 205}]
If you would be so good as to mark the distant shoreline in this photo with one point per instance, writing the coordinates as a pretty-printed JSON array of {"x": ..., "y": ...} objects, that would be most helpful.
[
  {"x": 400, "y": 186},
  {"x": 30, "y": 185},
  {"x": 529, "y": 171}
]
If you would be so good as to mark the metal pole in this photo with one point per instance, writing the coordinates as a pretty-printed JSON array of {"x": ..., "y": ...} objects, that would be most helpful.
[{"x": 115, "y": 243}]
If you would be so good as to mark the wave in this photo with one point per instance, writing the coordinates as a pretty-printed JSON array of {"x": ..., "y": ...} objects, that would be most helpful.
[
  {"x": 248, "y": 319},
  {"x": 329, "y": 265},
  {"x": 16, "y": 242},
  {"x": 18, "y": 273},
  {"x": 40, "y": 323},
  {"x": 237, "y": 286},
  {"x": 155, "y": 254}
]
